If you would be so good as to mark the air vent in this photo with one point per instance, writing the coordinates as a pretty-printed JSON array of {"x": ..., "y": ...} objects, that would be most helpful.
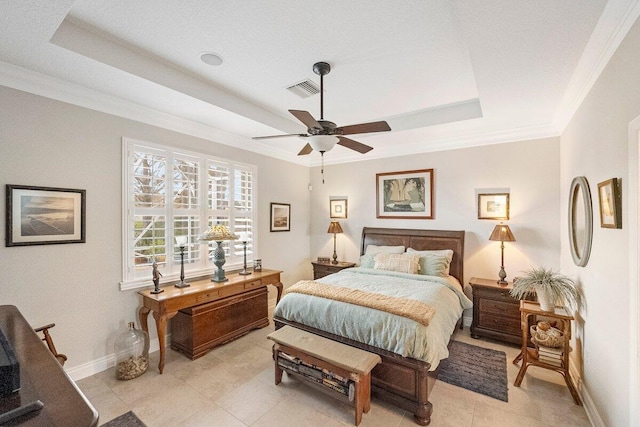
[{"x": 304, "y": 89}]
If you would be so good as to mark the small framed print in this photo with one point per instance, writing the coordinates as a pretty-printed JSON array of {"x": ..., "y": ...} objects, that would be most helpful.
[
  {"x": 44, "y": 215},
  {"x": 493, "y": 206},
  {"x": 280, "y": 217},
  {"x": 338, "y": 208},
  {"x": 610, "y": 202}
]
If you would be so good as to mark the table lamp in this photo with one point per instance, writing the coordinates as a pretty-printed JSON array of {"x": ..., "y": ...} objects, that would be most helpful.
[
  {"x": 218, "y": 233},
  {"x": 334, "y": 227},
  {"x": 501, "y": 233}
]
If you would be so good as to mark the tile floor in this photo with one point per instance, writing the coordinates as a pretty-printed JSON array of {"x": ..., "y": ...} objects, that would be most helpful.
[{"x": 233, "y": 386}]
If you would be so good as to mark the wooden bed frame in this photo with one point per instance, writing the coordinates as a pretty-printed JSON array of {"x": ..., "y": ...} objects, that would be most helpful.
[{"x": 402, "y": 381}]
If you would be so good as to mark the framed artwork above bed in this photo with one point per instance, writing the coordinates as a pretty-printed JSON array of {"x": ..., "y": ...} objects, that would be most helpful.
[{"x": 405, "y": 195}]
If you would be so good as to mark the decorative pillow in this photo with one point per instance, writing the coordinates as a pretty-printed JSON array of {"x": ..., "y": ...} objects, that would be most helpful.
[
  {"x": 403, "y": 263},
  {"x": 434, "y": 263},
  {"x": 374, "y": 249},
  {"x": 367, "y": 261}
]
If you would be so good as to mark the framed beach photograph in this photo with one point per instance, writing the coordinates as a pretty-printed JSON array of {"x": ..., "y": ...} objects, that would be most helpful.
[
  {"x": 493, "y": 206},
  {"x": 405, "y": 195},
  {"x": 280, "y": 217},
  {"x": 610, "y": 201},
  {"x": 338, "y": 208},
  {"x": 44, "y": 215}
]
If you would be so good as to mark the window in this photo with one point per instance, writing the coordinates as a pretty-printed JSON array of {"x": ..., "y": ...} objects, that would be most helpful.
[{"x": 169, "y": 192}]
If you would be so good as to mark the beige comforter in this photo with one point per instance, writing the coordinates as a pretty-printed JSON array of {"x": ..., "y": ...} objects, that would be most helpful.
[{"x": 419, "y": 311}]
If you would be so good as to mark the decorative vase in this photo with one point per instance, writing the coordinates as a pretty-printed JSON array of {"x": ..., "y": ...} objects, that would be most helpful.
[
  {"x": 545, "y": 300},
  {"x": 132, "y": 353}
]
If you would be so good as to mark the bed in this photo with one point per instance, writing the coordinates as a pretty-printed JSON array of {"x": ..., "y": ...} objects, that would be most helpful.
[{"x": 404, "y": 378}]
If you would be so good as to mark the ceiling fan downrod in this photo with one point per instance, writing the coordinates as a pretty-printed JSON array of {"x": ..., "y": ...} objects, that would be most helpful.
[{"x": 321, "y": 69}]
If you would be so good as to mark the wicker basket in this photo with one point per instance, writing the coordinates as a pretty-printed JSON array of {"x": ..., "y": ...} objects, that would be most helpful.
[{"x": 553, "y": 337}]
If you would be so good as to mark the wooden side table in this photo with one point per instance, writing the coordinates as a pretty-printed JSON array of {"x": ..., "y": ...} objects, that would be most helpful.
[
  {"x": 529, "y": 356},
  {"x": 321, "y": 269}
]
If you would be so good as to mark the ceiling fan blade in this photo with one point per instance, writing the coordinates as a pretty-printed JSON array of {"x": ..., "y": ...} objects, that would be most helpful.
[
  {"x": 365, "y": 128},
  {"x": 305, "y": 150},
  {"x": 280, "y": 136},
  {"x": 306, "y": 118},
  {"x": 354, "y": 145}
]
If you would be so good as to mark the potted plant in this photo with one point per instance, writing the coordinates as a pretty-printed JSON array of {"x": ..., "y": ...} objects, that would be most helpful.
[{"x": 550, "y": 287}]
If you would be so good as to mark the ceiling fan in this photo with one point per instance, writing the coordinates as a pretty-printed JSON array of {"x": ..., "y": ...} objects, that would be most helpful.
[{"x": 324, "y": 135}]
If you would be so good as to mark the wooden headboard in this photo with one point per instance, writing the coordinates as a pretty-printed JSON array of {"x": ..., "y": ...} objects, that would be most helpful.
[{"x": 420, "y": 240}]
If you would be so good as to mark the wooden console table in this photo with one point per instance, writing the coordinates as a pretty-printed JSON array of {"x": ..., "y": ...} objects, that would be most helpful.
[
  {"x": 167, "y": 304},
  {"x": 42, "y": 378}
]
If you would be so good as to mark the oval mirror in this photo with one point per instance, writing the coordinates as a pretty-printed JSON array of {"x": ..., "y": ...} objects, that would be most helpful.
[{"x": 580, "y": 221}]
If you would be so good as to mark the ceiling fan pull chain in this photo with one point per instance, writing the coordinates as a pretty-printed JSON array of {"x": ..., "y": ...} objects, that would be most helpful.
[{"x": 322, "y": 165}]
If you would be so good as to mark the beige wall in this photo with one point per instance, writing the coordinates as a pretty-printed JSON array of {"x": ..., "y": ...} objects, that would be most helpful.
[
  {"x": 49, "y": 143},
  {"x": 528, "y": 170},
  {"x": 595, "y": 144}
]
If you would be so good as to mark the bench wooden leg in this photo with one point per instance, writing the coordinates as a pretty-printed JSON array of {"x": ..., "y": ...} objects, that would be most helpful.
[
  {"x": 278, "y": 370},
  {"x": 365, "y": 381},
  {"x": 359, "y": 401}
]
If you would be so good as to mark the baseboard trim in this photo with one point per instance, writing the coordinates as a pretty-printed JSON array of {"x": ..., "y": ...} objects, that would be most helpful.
[
  {"x": 107, "y": 362},
  {"x": 589, "y": 406}
]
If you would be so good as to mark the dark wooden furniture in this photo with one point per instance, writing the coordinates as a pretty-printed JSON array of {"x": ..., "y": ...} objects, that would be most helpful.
[
  {"x": 49, "y": 341},
  {"x": 402, "y": 381},
  {"x": 42, "y": 378},
  {"x": 321, "y": 269},
  {"x": 205, "y": 303},
  {"x": 529, "y": 356},
  {"x": 348, "y": 362},
  {"x": 496, "y": 314}
]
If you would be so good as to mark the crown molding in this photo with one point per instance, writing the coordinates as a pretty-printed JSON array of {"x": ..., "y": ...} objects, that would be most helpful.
[{"x": 615, "y": 22}]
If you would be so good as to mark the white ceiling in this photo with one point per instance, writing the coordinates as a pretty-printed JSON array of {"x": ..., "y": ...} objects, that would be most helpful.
[{"x": 444, "y": 74}]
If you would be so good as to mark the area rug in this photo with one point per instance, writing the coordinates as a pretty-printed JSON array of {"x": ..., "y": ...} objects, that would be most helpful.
[
  {"x": 125, "y": 420},
  {"x": 478, "y": 369}
]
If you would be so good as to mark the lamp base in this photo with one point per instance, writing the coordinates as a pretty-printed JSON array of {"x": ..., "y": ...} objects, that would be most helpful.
[
  {"x": 502, "y": 282},
  {"x": 245, "y": 272},
  {"x": 182, "y": 285}
]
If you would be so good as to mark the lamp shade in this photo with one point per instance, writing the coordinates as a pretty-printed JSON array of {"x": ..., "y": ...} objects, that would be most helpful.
[
  {"x": 322, "y": 143},
  {"x": 502, "y": 233},
  {"x": 334, "y": 227},
  {"x": 218, "y": 233}
]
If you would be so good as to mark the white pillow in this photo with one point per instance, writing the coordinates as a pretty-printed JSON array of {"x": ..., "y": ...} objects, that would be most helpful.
[
  {"x": 374, "y": 249},
  {"x": 434, "y": 263},
  {"x": 403, "y": 263}
]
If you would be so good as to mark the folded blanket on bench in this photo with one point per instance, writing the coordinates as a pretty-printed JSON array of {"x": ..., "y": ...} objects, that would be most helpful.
[{"x": 415, "y": 310}]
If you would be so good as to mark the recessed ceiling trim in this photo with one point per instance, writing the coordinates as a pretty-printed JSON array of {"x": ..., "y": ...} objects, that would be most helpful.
[{"x": 76, "y": 38}]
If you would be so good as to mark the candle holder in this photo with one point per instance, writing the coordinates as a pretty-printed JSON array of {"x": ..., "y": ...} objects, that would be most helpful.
[
  {"x": 181, "y": 240},
  {"x": 244, "y": 238}
]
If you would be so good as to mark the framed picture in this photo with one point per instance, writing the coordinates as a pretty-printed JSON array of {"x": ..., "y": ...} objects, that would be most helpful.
[
  {"x": 338, "y": 208},
  {"x": 493, "y": 206},
  {"x": 280, "y": 217},
  {"x": 405, "y": 195},
  {"x": 44, "y": 215},
  {"x": 610, "y": 201}
]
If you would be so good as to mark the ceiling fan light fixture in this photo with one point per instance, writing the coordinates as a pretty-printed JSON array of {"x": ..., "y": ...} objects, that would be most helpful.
[{"x": 322, "y": 143}]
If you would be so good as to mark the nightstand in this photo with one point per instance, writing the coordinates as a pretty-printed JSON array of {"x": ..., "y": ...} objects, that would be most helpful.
[
  {"x": 321, "y": 269},
  {"x": 496, "y": 314}
]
